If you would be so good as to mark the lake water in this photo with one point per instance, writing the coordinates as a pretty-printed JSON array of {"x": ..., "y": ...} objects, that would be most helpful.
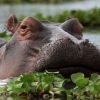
[
  {"x": 93, "y": 37},
  {"x": 46, "y": 9}
]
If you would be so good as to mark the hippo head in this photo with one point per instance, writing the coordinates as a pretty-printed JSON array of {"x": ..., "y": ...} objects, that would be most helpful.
[{"x": 37, "y": 46}]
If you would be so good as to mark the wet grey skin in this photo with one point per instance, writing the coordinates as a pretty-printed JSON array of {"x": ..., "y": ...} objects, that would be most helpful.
[{"x": 37, "y": 46}]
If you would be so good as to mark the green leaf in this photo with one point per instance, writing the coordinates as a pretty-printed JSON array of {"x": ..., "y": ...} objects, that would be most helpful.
[
  {"x": 76, "y": 77},
  {"x": 34, "y": 84},
  {"x": 19, "y": 85},
  {"x": 2, "y": 89},
  {"x": 94, "y": 77},
  {"x": 97, "y": 86},
  {"x": 82, "y": 82},
  {"x": 89, "y": 88}
]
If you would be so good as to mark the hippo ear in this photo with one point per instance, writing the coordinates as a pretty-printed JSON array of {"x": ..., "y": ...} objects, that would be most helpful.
[
  {"x": 29, "y": 28},
  {"x": 12, "y": 23},
  {"x": 72, "y": 26},
  {"x": 32, "y": 24}
]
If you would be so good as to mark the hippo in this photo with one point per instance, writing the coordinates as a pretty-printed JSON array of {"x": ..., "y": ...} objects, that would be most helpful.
[{"x": 37, "y": 46}]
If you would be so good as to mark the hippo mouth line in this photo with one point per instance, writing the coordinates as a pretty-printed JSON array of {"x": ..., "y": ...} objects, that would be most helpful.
[{"x": 72, "y": 69}]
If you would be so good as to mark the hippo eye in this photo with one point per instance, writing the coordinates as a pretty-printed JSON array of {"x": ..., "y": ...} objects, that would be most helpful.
[{"x": 23, "y": 27}]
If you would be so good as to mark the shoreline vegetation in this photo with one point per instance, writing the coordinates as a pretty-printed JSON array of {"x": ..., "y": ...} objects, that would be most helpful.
[
  {"x": 35, "y": 1},
  {"x": 50, "y": 85}
]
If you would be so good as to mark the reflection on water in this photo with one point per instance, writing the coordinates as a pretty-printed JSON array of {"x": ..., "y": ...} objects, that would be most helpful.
[{"x": 46, "y": 9}]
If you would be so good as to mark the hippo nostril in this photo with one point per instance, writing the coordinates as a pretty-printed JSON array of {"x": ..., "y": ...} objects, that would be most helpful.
[{"x": 23, "y": 27}]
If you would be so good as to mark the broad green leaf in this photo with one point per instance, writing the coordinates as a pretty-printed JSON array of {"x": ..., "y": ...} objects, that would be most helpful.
[
  {"x": 82, "y": 82},
  {"x": 97, "y": 86},
  {"x": 77, "y": 76},
  {"x": 94, "y": 77},
  {"x": 89, "y": 88},
  {"x": 19, "y": 85},
  {"x": 3, "y": 89}
]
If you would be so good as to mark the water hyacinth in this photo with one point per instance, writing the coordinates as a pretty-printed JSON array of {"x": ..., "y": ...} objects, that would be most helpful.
[{"x": 52, "y": 84}]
